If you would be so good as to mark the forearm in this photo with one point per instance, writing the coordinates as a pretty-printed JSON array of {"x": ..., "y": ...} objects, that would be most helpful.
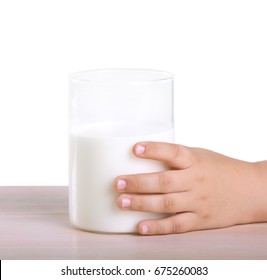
[{"x": 262, "y": 171}]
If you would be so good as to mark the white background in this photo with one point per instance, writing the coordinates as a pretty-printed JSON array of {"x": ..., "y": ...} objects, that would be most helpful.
[
  {"x": 215, "y": 49},
  {"x": 51, "y": 269}
]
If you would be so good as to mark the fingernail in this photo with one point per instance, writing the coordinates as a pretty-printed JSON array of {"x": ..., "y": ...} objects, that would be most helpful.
[
  {"x": 139, "y": 149},
  {"x": 144, "y": 229},
  {"x": 126, "y": 202},
  {"x": 121, "y": 184}
]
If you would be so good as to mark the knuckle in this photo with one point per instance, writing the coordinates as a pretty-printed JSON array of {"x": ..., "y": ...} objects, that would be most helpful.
[
  {"x": 137, "y": 184},
  {"x": 176, "y": 227},
  {"x": 164, "y": 182},
  {"x": 206, "y": 216},
  {"x": 168, "y": 204},
  {"x": 176, "y": 151},
  {"x": 138, "y": 204},
  {"x": 183, "y": 156},
  {"x": 203, "y": 198},
  {"x": 157, "y": 228},
  {"x": 200, "y": 179}
]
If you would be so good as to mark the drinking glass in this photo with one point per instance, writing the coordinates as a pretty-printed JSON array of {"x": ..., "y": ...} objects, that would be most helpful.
[{"x": 109, "y": 111}]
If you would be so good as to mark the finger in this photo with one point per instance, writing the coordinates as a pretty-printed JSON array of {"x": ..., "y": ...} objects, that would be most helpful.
[
  {"x": 174, "y": 155},
  {"x": 179, "y": 223},
  {"x": 159, "y": 182},
  {"x": 157, "y": 203}
]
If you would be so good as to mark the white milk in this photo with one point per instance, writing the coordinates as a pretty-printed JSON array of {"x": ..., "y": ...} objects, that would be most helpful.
[{"x": 98, "y": 154}]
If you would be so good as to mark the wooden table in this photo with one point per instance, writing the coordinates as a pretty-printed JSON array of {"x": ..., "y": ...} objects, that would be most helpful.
[{"x": 34, "y": 225}]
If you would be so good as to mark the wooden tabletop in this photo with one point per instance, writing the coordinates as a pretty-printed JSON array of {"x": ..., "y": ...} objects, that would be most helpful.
[{"x": 34, "y": 224}]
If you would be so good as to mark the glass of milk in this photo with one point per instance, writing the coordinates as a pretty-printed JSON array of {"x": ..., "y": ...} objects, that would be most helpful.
[{"x": 110, "y": 110}]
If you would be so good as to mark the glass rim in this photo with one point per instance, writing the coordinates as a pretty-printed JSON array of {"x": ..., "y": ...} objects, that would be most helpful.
[{"x": 80, "y": 76}]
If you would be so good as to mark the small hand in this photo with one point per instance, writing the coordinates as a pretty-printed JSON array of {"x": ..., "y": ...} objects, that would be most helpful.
[{"x": 202, "y": 190}]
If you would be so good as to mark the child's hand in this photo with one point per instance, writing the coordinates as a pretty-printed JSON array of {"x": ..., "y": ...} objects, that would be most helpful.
[{"x": 202, "y": 190}]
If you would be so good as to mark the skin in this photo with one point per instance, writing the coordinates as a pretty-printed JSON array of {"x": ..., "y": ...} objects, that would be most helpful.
[{"x": 201, "y": 190}]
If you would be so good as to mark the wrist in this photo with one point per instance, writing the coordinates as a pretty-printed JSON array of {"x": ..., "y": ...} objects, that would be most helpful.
[{"x": 260, "y": 191}]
